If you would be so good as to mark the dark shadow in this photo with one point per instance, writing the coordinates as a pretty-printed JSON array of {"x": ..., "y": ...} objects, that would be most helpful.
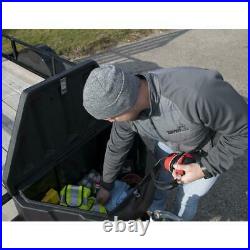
[
  {"x": 245, "y": 99},
  {"x": 137, "y": 66},
  {"x": 126, "y": 51}
]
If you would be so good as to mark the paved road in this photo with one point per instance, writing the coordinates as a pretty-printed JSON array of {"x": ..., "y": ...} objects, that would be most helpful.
[{"x": 224, "y": 50}]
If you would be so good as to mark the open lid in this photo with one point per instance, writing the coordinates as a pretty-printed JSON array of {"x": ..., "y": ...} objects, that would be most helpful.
[{"x": 50, "y": 121}]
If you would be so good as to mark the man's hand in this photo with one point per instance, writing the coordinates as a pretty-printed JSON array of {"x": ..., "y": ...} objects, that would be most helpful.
[
  {"x": 192, "y": 171},
  {"x": 103, "y": 196}
]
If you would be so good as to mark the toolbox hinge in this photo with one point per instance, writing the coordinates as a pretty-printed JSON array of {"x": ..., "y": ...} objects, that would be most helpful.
[{"x": 63, "y": 83}]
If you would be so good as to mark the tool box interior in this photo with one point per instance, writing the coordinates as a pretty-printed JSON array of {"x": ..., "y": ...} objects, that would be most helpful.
[
  {"x": 80, "y": 162},
  {"x": 55, "y": 142}
]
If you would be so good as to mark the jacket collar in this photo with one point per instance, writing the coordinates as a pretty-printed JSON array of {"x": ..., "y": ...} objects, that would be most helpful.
[{"x": 153, "y": 110}]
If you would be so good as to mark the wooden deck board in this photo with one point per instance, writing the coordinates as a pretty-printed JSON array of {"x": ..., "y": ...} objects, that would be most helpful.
[
  {"x": 8, "y": 118},
  {"x": 4, "y": 155},
  {"x": 10, "y": 97},
  {"x": 14, "y": 80},
  {"x": 20, "y": 74}
]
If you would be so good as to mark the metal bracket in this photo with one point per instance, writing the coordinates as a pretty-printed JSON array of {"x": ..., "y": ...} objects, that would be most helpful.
[
  {"x": 136, "y": 193},
  {"x": 159, "y": 215},
  {"x": 63, "y": 83}
]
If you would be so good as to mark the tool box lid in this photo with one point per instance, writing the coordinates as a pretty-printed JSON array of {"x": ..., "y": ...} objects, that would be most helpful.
[{"x": 50, "y": 121}]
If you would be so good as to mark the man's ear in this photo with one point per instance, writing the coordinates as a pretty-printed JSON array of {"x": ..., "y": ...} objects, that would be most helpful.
[{"x": 109, "y": 120}]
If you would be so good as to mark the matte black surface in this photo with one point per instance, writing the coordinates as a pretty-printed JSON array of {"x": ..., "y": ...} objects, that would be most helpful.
[
  {"x": 48, "y": 125},
  {"x": 39, "y": 59},
  {"x": 40, "y": 63},
  {"x": 6, "y": 198},
  {"x": 88, "y": 156}
]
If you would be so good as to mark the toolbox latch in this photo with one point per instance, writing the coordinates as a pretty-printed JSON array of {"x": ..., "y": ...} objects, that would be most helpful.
[{"x": 63, "y": 83}]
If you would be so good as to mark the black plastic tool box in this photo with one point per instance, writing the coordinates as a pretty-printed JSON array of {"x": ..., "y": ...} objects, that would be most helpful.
[{"x": 56, "y": 142}]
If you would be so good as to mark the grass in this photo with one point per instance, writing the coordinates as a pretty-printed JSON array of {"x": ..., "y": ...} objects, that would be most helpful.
[{"x": 75, "y": 43}]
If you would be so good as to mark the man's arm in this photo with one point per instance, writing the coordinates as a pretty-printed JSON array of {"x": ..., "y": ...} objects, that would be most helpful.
[
  {"x": 222, "y": 109},
  {"x": 118, "y": 146},
  {"x": 205, "y": 98}
]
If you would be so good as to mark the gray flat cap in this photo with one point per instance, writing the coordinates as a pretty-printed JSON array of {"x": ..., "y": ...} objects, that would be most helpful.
[{"x": 109, "y": 92}]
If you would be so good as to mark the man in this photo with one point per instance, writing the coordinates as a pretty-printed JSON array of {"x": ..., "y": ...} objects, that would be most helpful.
[{"x": 180, "y": 108}]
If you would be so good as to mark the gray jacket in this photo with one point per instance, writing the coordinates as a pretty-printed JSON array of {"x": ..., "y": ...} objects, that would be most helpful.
[{"x": 187, "y": 103}]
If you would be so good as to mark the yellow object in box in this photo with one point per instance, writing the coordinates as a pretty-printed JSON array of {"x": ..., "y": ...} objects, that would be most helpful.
[{"x": 51, "y": 197}]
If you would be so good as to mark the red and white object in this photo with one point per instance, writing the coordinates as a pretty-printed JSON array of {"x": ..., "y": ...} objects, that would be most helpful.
[{"x": 178, "y": 158}]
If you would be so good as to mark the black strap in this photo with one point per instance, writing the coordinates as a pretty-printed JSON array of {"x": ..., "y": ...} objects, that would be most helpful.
[
  {"x": 177, "y": 157},
  {"x": 161, "y": 185}
]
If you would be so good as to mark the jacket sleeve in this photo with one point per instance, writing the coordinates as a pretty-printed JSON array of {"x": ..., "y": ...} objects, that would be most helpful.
[
  {"x": 118, "y": 146},
  {"x": 222, "y": 109}
]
